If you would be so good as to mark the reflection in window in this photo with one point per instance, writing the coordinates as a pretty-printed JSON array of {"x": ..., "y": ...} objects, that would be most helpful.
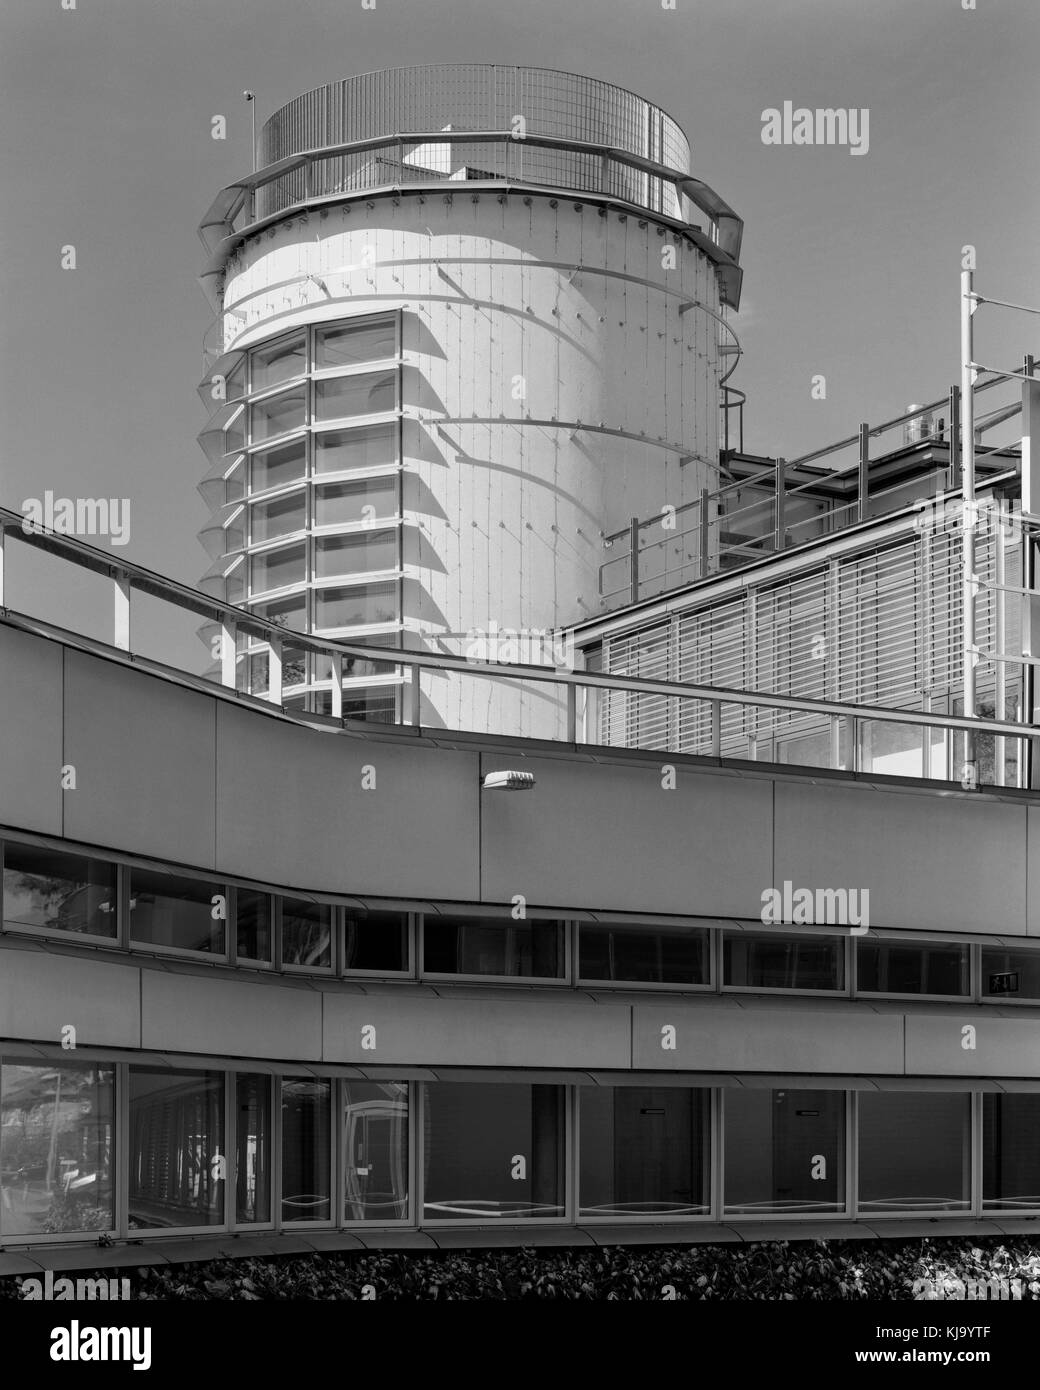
[
  {"x": 269, "y": 520},
  {"x": 277, "y": 569},
  {"x": 253, "y": 1148},
  {"x": 306, "y": 1149},
  {"x": 375, "y": 1151},
  {"x": 347, "y": 345},
  {"x": 253, "y": 924},
  {"x": 914, "y": 1151},
  {"x": 56, "y": 1127},
  {"x": 492, "y": 946},
  {"x": 785, "y": 1151},
  {"x": 677, "y": 957},
  {"x": 278, "y": 415},
  {"x": 177, "y": 1158},
  {"x": 1010, "y": 1154},
  {"x": 340, "y": 504},
  {"x": 278, "y": 362},
  {"x": 290, "y": 613},
  {"x": 1022, "y": 966},
  {"x": 339, "y": 397},
  {"x": 306, "y": 933},
  {"x": 885, "y": 967},
  {"x": 360, "y": 552},
  {"x": 375, "y": 706},
  {"x": 272, "y": 467},
  {"x": 358, "y": 606},
  {"x": 374, "y": 446},
  {"x": 376, "y": 941},
  {"x": 783, "y": 962},
  {"x": 58, "y": 892},
  {"x": 166, "y": 910},
  {"x": 493, "y": 1151},
  {"x": 643, "y": 1151}
]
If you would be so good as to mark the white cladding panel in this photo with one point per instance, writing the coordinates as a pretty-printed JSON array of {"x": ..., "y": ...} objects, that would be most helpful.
[{"x": 550, "y": 387}]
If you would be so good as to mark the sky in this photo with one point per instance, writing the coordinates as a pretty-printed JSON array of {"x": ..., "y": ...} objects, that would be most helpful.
[{"x": 851, "y": 263}]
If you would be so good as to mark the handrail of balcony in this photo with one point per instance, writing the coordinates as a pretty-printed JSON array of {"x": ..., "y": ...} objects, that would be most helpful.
[{"x": 128, "y": 576}]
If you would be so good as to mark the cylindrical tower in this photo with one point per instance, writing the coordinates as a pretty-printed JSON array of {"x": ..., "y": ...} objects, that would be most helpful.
[{"x": 468, "y": 324}]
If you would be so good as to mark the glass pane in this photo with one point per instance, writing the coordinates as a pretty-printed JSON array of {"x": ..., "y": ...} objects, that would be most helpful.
[
  {"x": 279, "y": 362},
  {"x": 340, "y": 397},
  {"x": 1010, "y": 1153},
  {"x": 783, "y": 962},
  {"x": 177, "y": 1158},
  {"x": 359, "y": 553},
  {"x": 914, "y": 1151},
  {"x": 281, "y": 517},
  {"x": 375, "y": 446},
  {"x": 340, "y": 504},
  {"x": 306, "y": 933},
  {"x": 277, "y": 568},
  {"x": 1013, "y": 973},
  {"x": 306, "y": 1149},
  {"x": 56, "y": 1141},
  {"x": 290, "y": 613},
  {"x": 375, "y": 706},
  {"x": 375, "y": 1151},
  {"x": 253, "y": 924},
  {"x": 58, "y": 892},
  {"x": 655, "y": 957},
  {"x": 253, "y": 1151},
  {"x": 357, "y": 606},
  {"x": 492, "y": 946},
  {"x": 273, "y": 467},
  {"x": 643, "y": 1151},
  {"x": 355, "y": 667},
  {"x": 278, "y": 415},
  {"x": 376, "y": 941},
  {"x": 493, "y": 1151},
  {"x": 785, "y": 1151},
  {"x": 347, "y": 345},
  {"x": 884, "y": 967},
  {"x": 169, "y": 911},
  {"x": 235, "y": 432}
]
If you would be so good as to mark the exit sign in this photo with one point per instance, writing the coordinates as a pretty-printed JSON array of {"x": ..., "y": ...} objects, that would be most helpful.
[{"x": 1004, "y": 983}]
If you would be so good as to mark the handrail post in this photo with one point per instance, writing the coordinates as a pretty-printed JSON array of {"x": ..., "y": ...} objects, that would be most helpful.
[
  {"x": 633, "y": 556},
  {"x": 121, "y": 613},
  {"x": 780, "y": 510},
  {"x": 336, "y": 659},
  {"x": 704, "y": 532},
  {"x": 864, "y": 471},
  {"x": 2, "y": 530},
  {"x": 416, "y": 697},
  {"x": 274, "y": 670},
  {"x": 715, "y": 725},
  {"x": 954, "y": 471},
  {"x": 228, "y": 655},
  {"x": 572, "y": 712}
]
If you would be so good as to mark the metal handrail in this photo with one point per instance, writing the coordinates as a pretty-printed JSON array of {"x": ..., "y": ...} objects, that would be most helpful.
[{"x": 128, "y": 575}]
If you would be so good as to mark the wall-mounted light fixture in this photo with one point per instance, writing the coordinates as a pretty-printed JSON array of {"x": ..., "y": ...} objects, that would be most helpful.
[{"x": 508, "y": 781}]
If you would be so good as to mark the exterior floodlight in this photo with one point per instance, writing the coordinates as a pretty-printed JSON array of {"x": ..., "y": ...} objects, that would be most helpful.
[{"x": 508, "y": 781}]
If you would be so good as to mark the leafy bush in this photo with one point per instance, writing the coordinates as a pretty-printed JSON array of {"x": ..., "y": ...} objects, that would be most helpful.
[{"x": 816, "y": 1270}]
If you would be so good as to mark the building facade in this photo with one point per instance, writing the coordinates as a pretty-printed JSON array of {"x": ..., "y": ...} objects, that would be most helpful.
[{"x": 285, "y": 969}]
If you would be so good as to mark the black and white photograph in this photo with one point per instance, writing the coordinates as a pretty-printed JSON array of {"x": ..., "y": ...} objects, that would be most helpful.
[{"x": 519, "y": 694}]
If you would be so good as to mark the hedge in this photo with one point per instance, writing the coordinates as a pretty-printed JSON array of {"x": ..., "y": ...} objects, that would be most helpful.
[{"x": 815, "y": 1270}]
